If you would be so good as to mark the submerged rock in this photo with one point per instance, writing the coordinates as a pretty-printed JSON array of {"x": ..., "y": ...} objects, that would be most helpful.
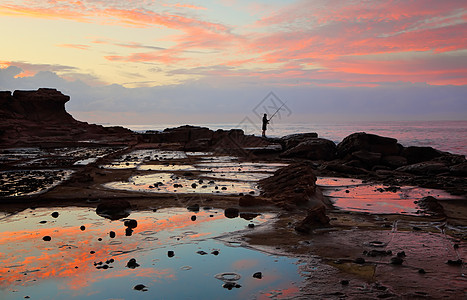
[
  {"x": 231, "y": 212},
  {"x": 114, "y": 209}
]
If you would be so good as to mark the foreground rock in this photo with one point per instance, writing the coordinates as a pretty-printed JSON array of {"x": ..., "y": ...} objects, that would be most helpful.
[{"x": 39, "y": 118}]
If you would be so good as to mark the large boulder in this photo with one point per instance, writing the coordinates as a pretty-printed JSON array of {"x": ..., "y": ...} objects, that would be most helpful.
[
  {"x": 368, "y": 142},
  {"x": 415, "y": 154},
  {"x": 459, "y": 170},
  {"x": 313, "y": 149},
  {"x": 292, "y": 140}
]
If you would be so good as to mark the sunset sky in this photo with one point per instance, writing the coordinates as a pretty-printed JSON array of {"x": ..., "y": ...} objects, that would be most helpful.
[{"x": 149, "y": 61}]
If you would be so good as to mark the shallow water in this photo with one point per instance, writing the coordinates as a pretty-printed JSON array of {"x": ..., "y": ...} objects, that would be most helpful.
[
  {"x": 171, "y": 183},
  {"x": 30, "y": 182},
  {"x": 71, "y": 264},
  {"x": 354, "y": 195}
]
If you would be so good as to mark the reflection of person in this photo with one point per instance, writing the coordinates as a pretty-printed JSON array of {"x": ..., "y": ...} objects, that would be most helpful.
[{"x": 265, "y": 124}]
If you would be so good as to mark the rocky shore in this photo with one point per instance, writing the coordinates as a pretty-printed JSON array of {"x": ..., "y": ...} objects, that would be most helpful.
[{"x": 362, "y": 252}]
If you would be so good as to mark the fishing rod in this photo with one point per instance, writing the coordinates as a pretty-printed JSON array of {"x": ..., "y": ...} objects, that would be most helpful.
[{"x": 277, "y": 111}]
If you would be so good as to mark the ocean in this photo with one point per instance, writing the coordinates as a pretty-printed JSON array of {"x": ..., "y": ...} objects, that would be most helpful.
[{"x": 450, "y": 136}]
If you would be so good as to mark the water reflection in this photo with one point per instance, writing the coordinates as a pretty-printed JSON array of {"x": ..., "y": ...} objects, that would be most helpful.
[
  {"x": 87, "y": 262},
  {"x": 355, "y": 195}
]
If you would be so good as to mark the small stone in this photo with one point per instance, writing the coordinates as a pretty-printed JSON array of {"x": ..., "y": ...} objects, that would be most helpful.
[
  {"x": 215, "y": 252},
  {"x": 47, "y": 238},
  {"x": 345, "y": 282},
  {"x": 194, "y": 185},
  {"x": 193, "y": 218},
  {"x": 82, "y": 227},
  {"x": 170, "y": 253},
  {"x": 258, "y": 275},
  {"x": 231, "y": 285},
  {"x": 422, "y": 271},
  {"x": 92, "y": 252},
  {"x": 231, "y": 212},
  {"x": 201, "y": 252},
  {"x": 112, "y": 234},
  {"x": 132, "y": 264},
  {"x": 128, "y": 231},
  {"x": 397, "y": 260},
  {"x": 43, "y": 222},
  {"x": 130, "y": 223},
  {"x": 401, "y": 254},
  {"x": 251, "y": 225},
  {"x": 456, "y": 246},
  {"x": 140, "y": 287},
  {"x": 224, "y": 188},
  {"x": 55, "y": 214},
  {"x": 455, "y": 262},
  {"x": 359, "y": 260}
]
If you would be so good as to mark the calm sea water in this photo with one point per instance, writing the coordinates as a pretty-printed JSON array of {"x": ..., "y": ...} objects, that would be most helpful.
[{"x": 448, "y": 136}]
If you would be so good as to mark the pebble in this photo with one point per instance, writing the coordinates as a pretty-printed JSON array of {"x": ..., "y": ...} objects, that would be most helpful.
[
  {"x": 359, "y": 260},
  {"x": 112, "y": 234},
  {"x": 140, "y": 287},
  {"x": 170, "y": 253},
  {"x": 231, "y": 285},
  {"x": 201, "y": 252},
  {"x": 422, "y": 271},
  {"x": 397, "y": 260},
  {"x": 455, "y": 262},
  {"x": 83, "y": 228},
  {"x": 258, "y": 275},
  {"x": 193, "y": 218},
  {"x": 251, "y": 225},
  {"x": 215, "y": 252},
  {"x": 55, "y": 214},
  {"x": 132, "y": 264},
  {"x": 47, "y": 238},
  {"x": 345, "y": 282}
]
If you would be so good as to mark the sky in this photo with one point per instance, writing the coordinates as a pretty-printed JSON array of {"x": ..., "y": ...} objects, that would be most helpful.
[{"x": 152, "y": 62}]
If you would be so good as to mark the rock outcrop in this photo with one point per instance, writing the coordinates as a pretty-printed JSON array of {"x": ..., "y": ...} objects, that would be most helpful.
[
  {"x": 39, "y": 118},
  {"x": 195, "y": 138}
]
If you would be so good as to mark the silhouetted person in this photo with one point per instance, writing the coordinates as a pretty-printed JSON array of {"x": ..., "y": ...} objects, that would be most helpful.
[{"x": 265, "y": 124}]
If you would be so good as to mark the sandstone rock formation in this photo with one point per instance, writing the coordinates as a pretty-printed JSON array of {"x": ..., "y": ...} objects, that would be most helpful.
[{"x": 39, "y": 118}]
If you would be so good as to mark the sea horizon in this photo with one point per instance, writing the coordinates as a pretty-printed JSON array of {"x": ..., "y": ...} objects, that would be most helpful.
[{"x": 449, "y": 136}]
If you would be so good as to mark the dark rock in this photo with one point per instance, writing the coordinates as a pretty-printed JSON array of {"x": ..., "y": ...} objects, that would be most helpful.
[
  {"x": 425, "y": 168},
  {"x": 415, "y": 154},
  {"x": 194, "y": 185},
  {"x": 422, "y": 271},
  {"x": 251, "y": 225},
  {"x": 359, "y": 260},
  {"x": 215, "y": 252},
  {"x": 345, "y": 282},
  {"x": 374, "y": 253},
  {"x": 248, "y": 216},
  {"x": 394, "y": 161},
  {"x": 193, "y": 218},
  {"x": 82, "y": 227},
  {"x": 292, "y": 140},
  {"x": 313, "y": 149},
  {"x": 140, "y": 287},
  {"x": 201, "y": 252},
  {"x": 401, "y": 254},
  {"x": 128, "y": 231},
  {"x": 231, "y": 285},
  {"x": 368, "y": 142},
  {"x": 114, "y": 210},
  {"x": 130, "y": 223},
  {"x": 249, "y": 200},
  {"x": 112, "y": 234},
  {"x": 231, "y": 212},
  {"x": 47, "y": 238},
  {"x": 258, "y": 275},
  {"x": 397, "y": 260},
  {"x": 431, "y": 204},
  {"x": 194, "y": 207},
  {"x": 55, "y": 214},
  {"x": 457, "y": 262},
  {"x": 459, "y": 170},
  {"x": 368, "y": 158},
  {"x": 316, "y": 217},
  {"x": 170, "y": 253},
  {"x": 132, "y": 264}
]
